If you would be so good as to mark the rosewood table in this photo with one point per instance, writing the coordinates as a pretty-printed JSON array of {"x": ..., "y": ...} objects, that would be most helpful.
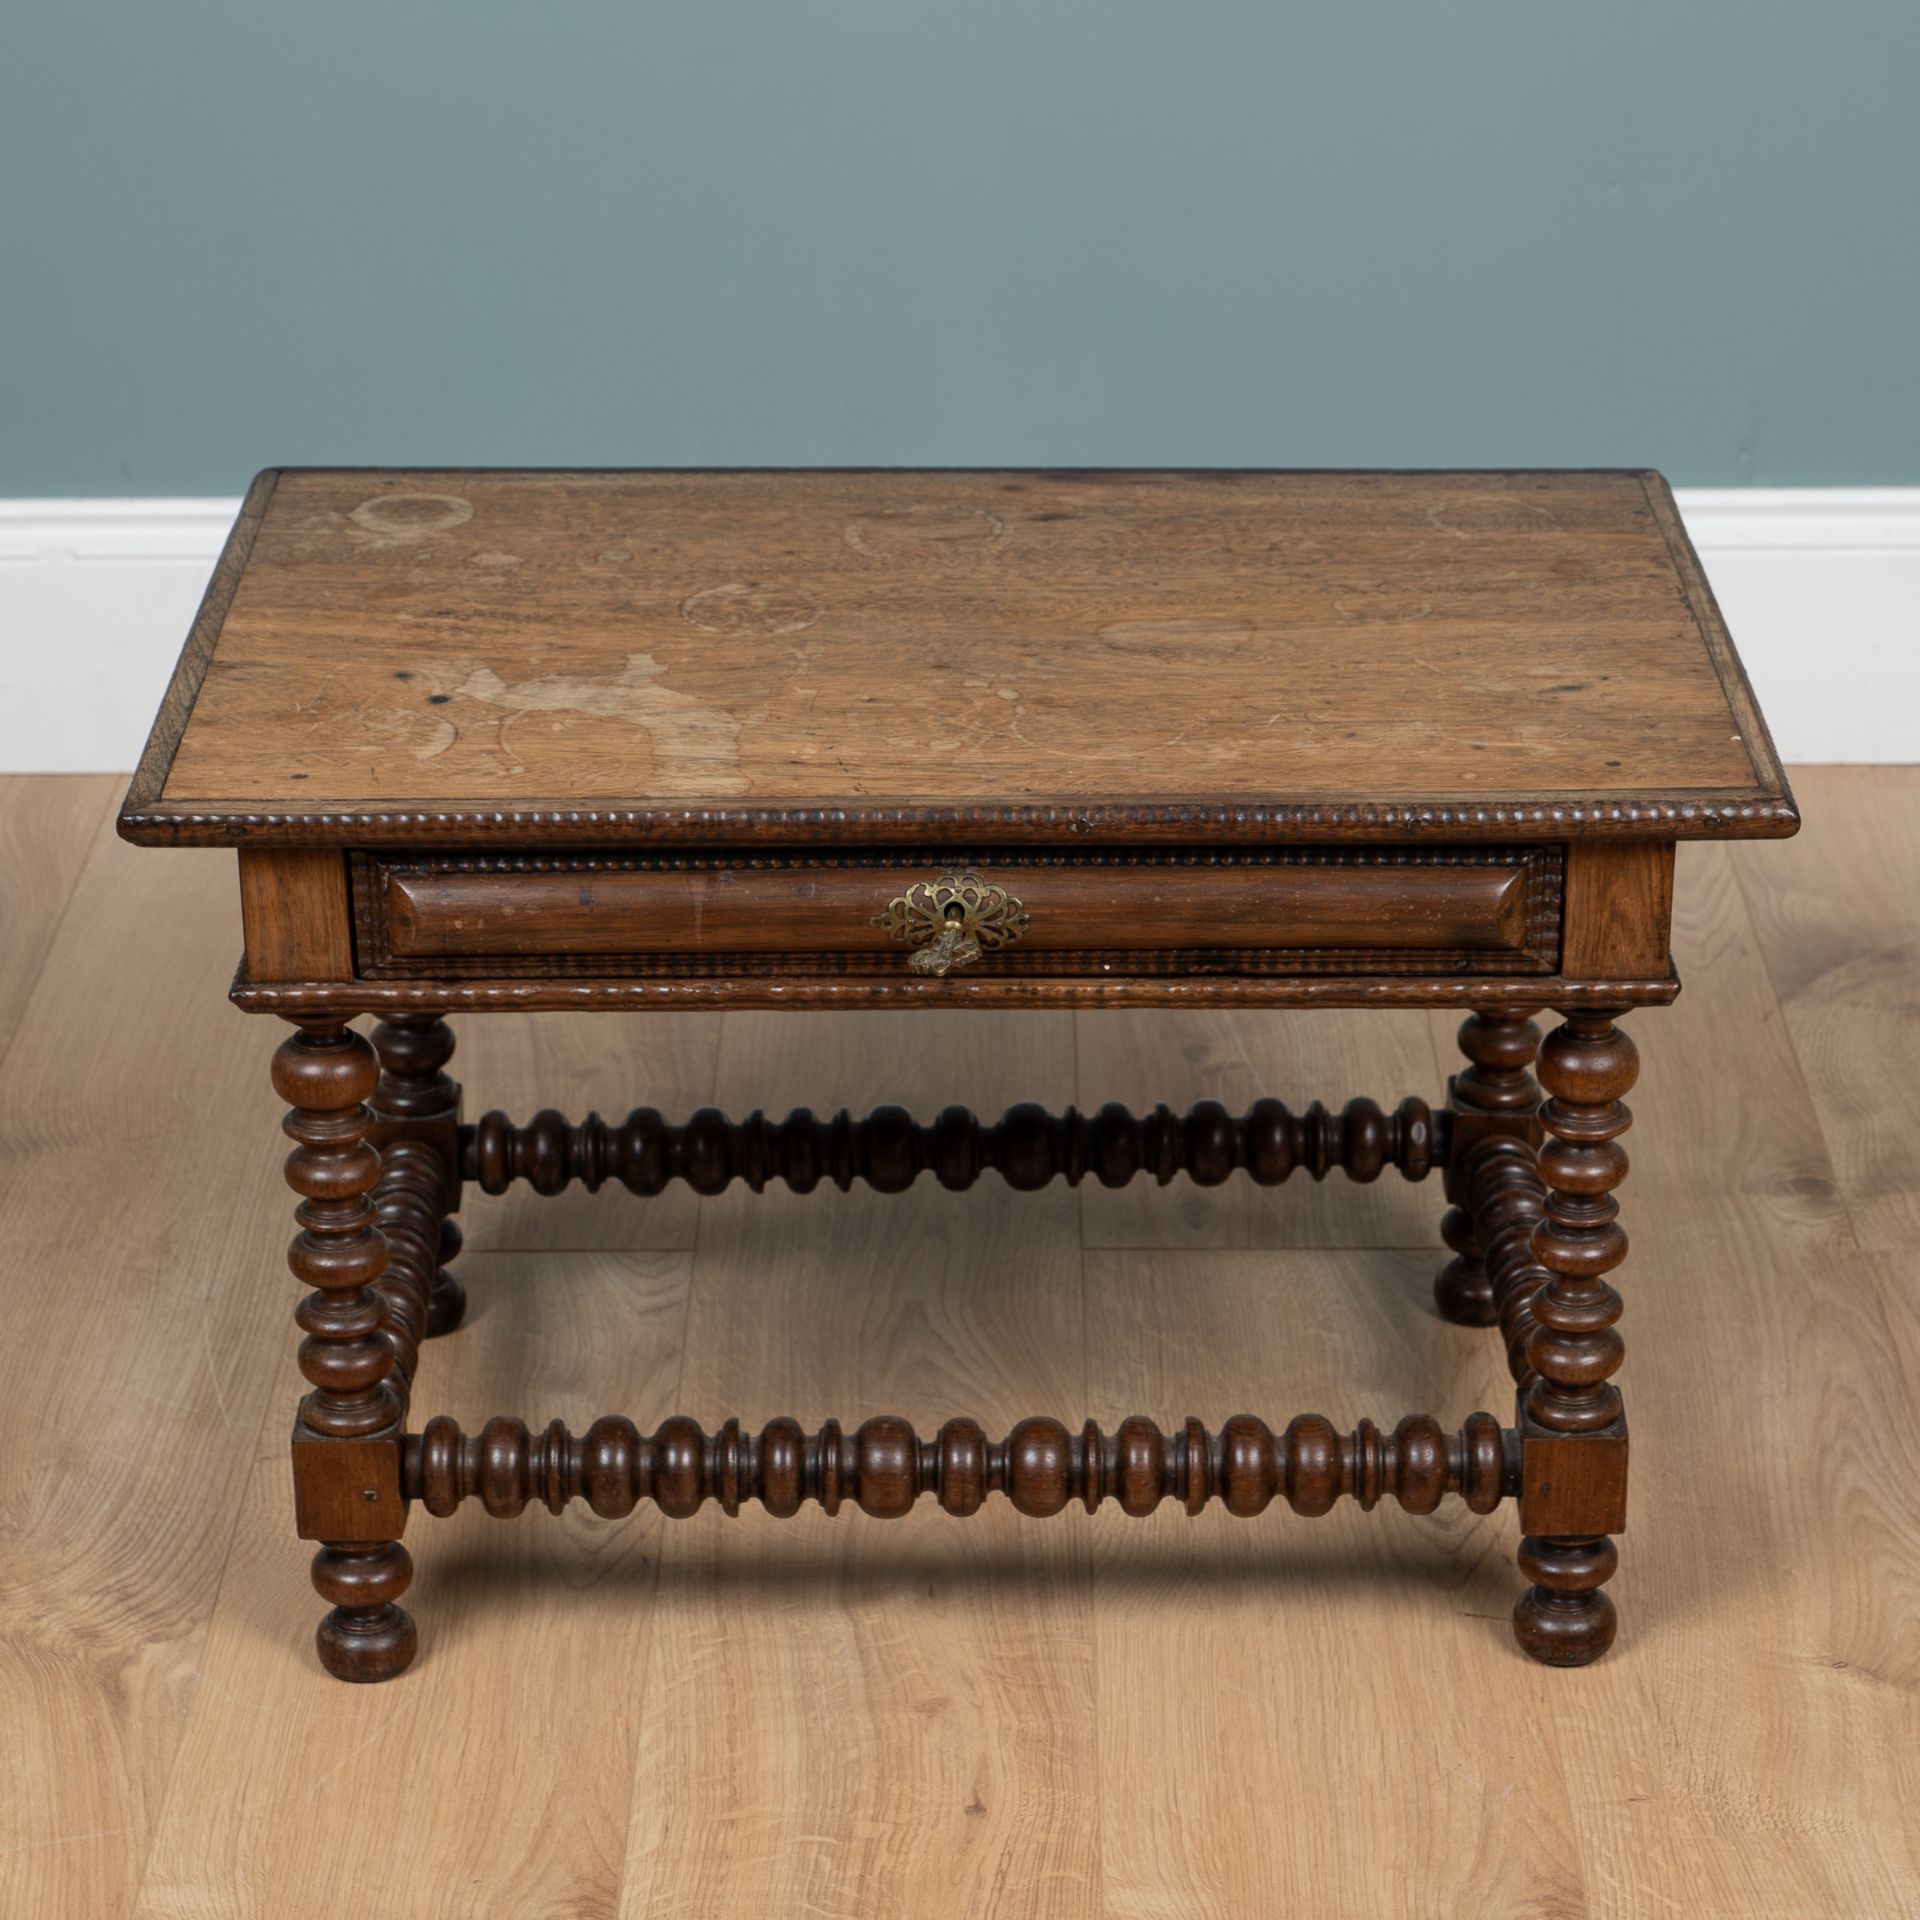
[{"x": 494, "y": 741}]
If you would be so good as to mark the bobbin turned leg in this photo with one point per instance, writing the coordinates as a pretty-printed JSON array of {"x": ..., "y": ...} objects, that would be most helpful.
[
  {"x": 1494, "y": 1100},
  {"x": 416, "y": 1110},
  {"x": 1573, "y": 1432},
  {"x": 347, "y": 1436}
]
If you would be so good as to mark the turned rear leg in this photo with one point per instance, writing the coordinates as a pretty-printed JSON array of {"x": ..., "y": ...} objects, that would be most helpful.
[
  {"x": 417, "y": 1108},
  {"x": 1494, "y": 1099}
]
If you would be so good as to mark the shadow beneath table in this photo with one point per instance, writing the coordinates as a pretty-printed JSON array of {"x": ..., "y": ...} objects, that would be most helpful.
[{"x": 461, "y": 1593}]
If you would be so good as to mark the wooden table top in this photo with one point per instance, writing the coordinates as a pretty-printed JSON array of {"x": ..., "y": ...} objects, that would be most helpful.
[{"x": 889, "y": 655}]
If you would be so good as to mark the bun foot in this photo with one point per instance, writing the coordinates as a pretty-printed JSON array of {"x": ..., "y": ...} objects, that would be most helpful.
[
  {"x": 367, "y": 1636},
  {"x": 1564, "y": 1619},
  {"x": 1462, "y": 1289},
  {"x": 446, "y": 1304}
]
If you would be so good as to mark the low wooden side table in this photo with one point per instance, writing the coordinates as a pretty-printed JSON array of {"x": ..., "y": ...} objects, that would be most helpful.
[{"x": 496, "y": 741}]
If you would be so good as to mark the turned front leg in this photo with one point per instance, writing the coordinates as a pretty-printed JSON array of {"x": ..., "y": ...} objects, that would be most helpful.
[
  {"x": 1572, "y": 1426},
  {"x": 347, "y": 1437},
  {"x": 1494, "y": 1105}
]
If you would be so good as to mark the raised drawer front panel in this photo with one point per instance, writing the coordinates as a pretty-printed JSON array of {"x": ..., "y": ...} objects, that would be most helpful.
[{"x": 1281, "y": 912}]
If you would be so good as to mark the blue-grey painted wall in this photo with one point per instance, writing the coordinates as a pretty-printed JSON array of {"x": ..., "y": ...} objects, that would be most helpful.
[{"x": 1426, "y": 232}]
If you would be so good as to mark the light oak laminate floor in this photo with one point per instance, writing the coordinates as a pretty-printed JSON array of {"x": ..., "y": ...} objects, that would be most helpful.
[{"x": 1157, "y": 1720}]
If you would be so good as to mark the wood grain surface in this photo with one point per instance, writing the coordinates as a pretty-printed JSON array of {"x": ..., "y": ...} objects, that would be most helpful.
[
  {"x": 753, "y": 646},
  {"x": 1844, "y": 951},
  {"x": 941, "y": 1718},
  {"x": 44, "y": 822},
  {"x": 434, "y": 911}
]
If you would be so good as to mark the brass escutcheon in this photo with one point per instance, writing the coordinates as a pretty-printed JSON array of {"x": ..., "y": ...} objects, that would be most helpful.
[{"x": 950, "y": 921}]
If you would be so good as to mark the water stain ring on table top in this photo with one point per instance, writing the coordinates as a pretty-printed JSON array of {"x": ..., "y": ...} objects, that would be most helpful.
[
  {"x": 746, "y": 607},
  {"x": 929, "y": 529},
  {"x": 411, "y": 516}
]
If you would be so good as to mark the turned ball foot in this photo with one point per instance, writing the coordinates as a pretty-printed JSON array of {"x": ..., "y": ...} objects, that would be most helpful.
[
  {"x": 367, "y": 1636},
  {"x": 446, "y": 1297},
  {"x": 446, "y": 1305},
  {"x": 1564, "y": 1619},
  {"x": 1461, "y": 1289}
]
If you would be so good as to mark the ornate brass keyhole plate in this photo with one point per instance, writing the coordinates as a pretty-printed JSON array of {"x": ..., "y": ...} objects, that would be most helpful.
[{"x": 951, "y": 921}]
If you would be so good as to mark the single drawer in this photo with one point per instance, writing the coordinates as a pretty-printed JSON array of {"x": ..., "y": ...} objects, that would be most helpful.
[{"x": 1283, "y": 910}]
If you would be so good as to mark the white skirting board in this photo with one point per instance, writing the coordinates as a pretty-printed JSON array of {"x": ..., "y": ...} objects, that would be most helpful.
[{"x": 1820, "y": 585}]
